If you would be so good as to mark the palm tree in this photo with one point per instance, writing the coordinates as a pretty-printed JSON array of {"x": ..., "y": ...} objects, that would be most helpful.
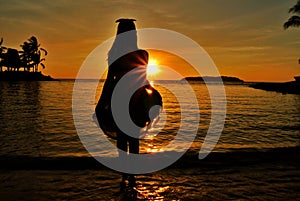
[
  {"x": 293, "y": 21},
  {"x": 31, "y": 54},
  {"x": 2, "y": 49},
  {"x": 12, "y": 60},
  {"x": 9, "y": 58}
]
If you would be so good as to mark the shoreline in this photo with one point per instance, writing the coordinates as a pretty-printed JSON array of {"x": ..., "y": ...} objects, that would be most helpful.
[
  {"x": 270, "y": 180},
  {"x": 289, "y": 155},
  {"x": 292, "y": 87},
  {"x": 24, "y": 76}
]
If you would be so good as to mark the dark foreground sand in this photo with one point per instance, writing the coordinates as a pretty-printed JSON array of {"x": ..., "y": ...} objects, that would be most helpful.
[{"x": 273, "y": 179}]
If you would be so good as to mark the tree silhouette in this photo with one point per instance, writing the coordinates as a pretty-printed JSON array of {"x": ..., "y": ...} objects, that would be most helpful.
[
  {"x": 31, "y": 54},
  {"x": 9, "y": 58},
  {"x": 293, "y": 21},
  {"x": 2, "y": 49},
  {"x": 12, "y": 60}
]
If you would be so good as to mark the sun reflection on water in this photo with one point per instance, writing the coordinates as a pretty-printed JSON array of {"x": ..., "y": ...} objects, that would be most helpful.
[
  {"x": 153, "y": 149},
  {"x": 151, "y": 191}
]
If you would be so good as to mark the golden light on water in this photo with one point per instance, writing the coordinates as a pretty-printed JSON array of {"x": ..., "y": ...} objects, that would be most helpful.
[{"x": 153, "y": 149}]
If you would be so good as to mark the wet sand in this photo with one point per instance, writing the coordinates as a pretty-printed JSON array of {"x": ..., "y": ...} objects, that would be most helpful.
[
  {"x": 271, "y": 178},
  {"x": 242, "y": 183}
]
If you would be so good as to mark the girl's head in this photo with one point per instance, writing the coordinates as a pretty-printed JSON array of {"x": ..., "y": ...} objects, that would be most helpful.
[
  {"x": 125, "y": 41},
  {"x": 125, "y": 25}
]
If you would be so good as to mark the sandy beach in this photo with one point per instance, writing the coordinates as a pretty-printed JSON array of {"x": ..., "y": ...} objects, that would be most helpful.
[{"x": 258, "y": 176}]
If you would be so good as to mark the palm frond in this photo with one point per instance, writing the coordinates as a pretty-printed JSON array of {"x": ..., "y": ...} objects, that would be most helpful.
[
  {"x": 33, "y": 39},
  {"x": 45, "y": 51},
  {"x": 293, "y": 21},
  {"x": 295, "y": 8},
  {"x": 43, "y": 65}
]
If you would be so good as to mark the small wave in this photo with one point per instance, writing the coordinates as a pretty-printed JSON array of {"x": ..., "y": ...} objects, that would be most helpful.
[{"x": 240, "y": 157}]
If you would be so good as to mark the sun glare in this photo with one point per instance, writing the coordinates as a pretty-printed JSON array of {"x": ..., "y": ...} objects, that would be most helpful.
[{"x": 152, "y": 67}]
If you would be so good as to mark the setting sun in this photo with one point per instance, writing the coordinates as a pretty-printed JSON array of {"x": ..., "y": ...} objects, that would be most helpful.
[{"x": 152, "y": 67}]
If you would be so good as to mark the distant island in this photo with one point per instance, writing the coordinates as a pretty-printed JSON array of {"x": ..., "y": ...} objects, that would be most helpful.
[
  {"x": 24, "y": 76},
  {"x": 23, "y": 65},
  {"x": 226, "y": 79},
  {"x": 292, "y": 87}
]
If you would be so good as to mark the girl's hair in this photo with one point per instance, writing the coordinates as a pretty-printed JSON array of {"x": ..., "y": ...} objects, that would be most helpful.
[{"x": 124, "y": 43}]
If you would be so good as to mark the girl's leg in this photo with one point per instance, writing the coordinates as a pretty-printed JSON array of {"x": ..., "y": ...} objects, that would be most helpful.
[
  {"x": 133, "y": 148},
  {"x": 122, "y": 146},
  {"x": 122, "y": 142},
  {"x": 133, "y": 145}
]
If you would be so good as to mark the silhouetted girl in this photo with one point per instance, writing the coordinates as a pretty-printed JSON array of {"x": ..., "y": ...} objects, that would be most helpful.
[{"x": 123, "y": 57}]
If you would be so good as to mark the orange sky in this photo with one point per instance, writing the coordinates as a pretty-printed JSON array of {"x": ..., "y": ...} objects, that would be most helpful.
[
  {"x": 244, "y": 38},
  {"x": 174, "y": 62}
]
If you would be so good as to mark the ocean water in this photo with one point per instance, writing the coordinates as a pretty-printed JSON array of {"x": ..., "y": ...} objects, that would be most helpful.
[
  {"x": 36, "y": 119},
  {"x": 43, "y": 158}
]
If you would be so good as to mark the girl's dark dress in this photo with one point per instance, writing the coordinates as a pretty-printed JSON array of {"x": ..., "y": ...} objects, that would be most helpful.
[{"x": 140, "y": 102}]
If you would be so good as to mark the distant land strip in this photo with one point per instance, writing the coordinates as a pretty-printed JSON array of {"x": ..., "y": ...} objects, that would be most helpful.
[
  {"x": 213, "y": 79},
  {"x": 24, "y": 76}
]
